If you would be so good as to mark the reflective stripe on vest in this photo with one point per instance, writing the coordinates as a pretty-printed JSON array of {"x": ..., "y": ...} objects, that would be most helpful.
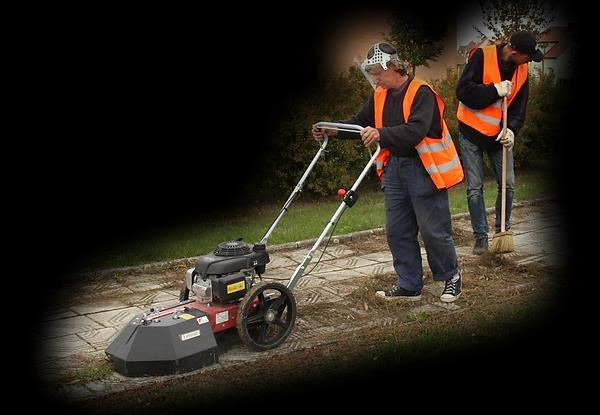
[
  {"x": 488, "y": 120},
  {"x": 439, "y": 156}
]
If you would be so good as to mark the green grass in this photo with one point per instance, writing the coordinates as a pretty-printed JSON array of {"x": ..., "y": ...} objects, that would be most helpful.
[
  {"x": 95, "y": 372},
  {"x": 304, "y": 220}
]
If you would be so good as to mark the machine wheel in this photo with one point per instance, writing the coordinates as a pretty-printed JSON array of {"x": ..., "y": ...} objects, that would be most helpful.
[
  {"x": 184, "y": 294},
  {"x": 266, "y": 315}
]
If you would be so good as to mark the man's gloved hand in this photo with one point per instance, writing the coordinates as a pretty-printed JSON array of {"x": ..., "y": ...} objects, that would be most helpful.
[
  {"x": 508, "y": 140},
  {"x": 503, "y": 88}
]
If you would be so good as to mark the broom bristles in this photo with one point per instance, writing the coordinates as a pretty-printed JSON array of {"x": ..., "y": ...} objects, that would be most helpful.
[{"x": 503, "y": 242}]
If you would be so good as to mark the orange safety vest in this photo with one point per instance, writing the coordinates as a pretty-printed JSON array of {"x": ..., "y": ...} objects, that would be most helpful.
[
  {"x": 488, "y": 120},
  {"x": 439, "y": 156}
]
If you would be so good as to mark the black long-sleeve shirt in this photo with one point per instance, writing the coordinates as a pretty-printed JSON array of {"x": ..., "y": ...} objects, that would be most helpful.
[
  {"x": 471, "y": 91},
  {"x": 398, "y": 135}
]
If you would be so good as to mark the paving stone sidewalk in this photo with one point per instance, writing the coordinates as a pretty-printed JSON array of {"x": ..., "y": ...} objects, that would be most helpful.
[{"x": 77, "y": 332}]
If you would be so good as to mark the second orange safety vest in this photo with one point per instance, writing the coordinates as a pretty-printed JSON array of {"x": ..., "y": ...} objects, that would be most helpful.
[
  {"x": 488, "y": 120},
  {"x": 439, "y": 156}
]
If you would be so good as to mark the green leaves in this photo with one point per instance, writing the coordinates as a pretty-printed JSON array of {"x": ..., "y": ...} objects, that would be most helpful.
[
  {"x": 502, "y": 18},
  {"x": 418, "y": 39}
]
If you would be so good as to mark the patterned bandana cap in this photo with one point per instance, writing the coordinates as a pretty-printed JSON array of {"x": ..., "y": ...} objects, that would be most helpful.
[{"x": 379, "y": 54}]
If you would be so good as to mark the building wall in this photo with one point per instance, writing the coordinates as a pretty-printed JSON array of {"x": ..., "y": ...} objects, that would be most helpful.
[{"x": 561, "y": 66}]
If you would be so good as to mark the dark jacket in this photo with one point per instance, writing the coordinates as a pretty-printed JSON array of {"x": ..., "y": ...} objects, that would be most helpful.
[
  {"x": 397, "y": 136},
  {"x": 471, "y": 92}
]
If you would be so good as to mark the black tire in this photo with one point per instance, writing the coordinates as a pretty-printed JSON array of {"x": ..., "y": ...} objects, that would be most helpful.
[{"x": 264, "y": 322}]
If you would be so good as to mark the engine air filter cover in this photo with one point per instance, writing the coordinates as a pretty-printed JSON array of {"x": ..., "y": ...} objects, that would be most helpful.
[{"x": 232, "y": 248}]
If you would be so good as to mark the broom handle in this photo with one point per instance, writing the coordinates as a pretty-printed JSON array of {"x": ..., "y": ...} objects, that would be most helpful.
[{"x": 504, "y": 156}]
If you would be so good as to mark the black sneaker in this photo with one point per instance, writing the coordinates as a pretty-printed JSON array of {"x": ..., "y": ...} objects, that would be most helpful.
[
  {"x": 481, "y": 245},
  {"x": 452, "y": 289},
  {"x": 399, "y": 292}
]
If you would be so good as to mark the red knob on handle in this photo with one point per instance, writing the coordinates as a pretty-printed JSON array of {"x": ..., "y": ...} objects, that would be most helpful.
[{"x": 341, "y": 193}]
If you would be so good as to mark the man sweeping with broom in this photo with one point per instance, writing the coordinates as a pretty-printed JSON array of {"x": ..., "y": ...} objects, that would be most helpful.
[{"x": 492, "y": 92}]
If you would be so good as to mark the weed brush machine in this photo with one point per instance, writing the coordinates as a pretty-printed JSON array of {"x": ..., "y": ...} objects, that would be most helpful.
[{"x": 181, "y": 338}]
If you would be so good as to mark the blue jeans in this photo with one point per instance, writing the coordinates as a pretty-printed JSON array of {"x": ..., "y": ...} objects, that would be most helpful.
[
  {"x": 413, "y": 204},
  {"x": 472, "y": 162}
]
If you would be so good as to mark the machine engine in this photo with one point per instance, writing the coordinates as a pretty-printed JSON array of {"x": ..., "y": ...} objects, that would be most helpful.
[{"x": 227, "y": 273}]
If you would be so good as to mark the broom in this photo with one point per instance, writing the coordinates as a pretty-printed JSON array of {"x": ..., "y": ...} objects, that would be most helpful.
[{"x": 503, "y": 240}]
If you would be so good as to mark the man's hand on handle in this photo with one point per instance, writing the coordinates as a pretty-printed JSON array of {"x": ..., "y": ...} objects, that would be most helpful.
[
  {"x": 370, "y": 135},
  {"x": 508, "y": 140},
  {"x": 503, "y": 88},
  {"x": 318, "y": 133}
]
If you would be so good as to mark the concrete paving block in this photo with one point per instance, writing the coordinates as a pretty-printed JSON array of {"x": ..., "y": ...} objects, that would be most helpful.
[
  {"x": 59, "y": 347},
  {"x": 310, "y": 282},
  {"x": 281, "y": 275},
  {"x": 525, "y": 227},
  {"x": 527, "y": 259},
  {"x": 99, "y": 339},
  {"x": 340, "y": 275},
  {"x": 377, "y": 269},
  {"x": 118, "y": 383},
  {"x": 237, "y": 354},
  {"x": 352, "y": 262},
  {"x": 108, "y": 285},
  {"x": 425, "y": 308},
  {"x": 339, "y": 290},
  {"x": 148, "y": 285},
  {"x": 115, "y": 318},
  {"x": 448, "y": 306},
  {"x": 284, "y": 274},
  {"x": 66, "y": 326},
  {"x": 146, "y": 299},
  {"x": 278, "y": 261},
  {"x": 297, "y": 256},
  {"x": 174, "y": 292},
  {"x": 64, "y": 369},
  {"x": 316, "y": 295},
  {"x": 323, "y": 255},
  {"x": 530, "y": 249},
  {"x": 553, "y": 259},
  {"x": 58, "y": 314},
  {"x": 163, "y": 304},
  {"x": 340, "y": 251},
  {"x": 93, "y": 296},
  {"x": 382, "y": 256},
  {"x": 97, "y": 388},
  {"x": 321, "y": 267},
  {"x": 99, "y": 306}
]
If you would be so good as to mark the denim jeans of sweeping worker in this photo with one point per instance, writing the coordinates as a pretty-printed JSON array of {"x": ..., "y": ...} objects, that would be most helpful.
[
  {"x": 413, "y": 204},
  {"x": 472, "y": 162}
]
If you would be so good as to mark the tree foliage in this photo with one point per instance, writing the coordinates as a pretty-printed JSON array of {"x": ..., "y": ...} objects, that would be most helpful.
[
  {"x": 446, "y": 88},
  {"x": 291, "y": 146},
  {"x": 419, "y": 38},
  {"x": 503, "y": 18},
  {"x": 538, "y": 142}
]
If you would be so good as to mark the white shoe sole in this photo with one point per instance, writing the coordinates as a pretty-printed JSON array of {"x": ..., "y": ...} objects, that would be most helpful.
[
  {"x": 382, "y": 295},
  {"x": 449, "y": 299}
]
